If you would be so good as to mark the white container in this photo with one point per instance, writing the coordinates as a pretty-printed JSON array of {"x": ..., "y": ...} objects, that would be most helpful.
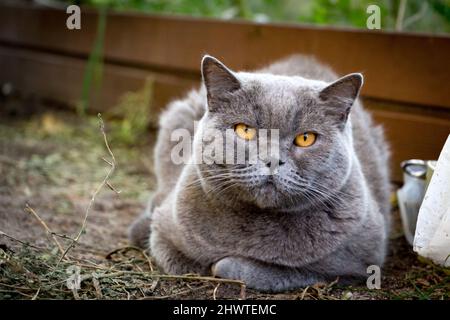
[
  {"x": 410, "y": 196},
  {"x": 432, "y": 237}
]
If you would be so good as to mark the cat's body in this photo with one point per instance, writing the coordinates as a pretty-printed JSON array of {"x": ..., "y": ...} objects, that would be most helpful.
[{"x": 272, "y": 232}]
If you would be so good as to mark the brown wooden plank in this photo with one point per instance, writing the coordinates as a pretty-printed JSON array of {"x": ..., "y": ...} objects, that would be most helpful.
[
  {"x": 398, "y": 67},
  {"x": 60, "y": 79},
  {"x": 412, "y": 136}
]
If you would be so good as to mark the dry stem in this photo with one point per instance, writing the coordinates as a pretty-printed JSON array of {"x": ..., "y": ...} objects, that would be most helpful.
[
  {"x": 42, "y": 222},
  {"x": 20, "y": 241},
  {"x": 112, "y": 164}
]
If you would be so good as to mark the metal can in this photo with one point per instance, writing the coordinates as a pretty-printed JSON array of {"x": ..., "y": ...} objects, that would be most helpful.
[{"x": 410, "y": 196}]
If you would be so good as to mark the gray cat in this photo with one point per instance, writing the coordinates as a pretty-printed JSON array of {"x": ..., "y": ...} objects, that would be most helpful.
[{"x": 324, "y": 214}]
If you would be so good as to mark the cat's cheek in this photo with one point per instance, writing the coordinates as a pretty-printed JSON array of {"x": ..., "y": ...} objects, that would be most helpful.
[{"x": 301, "y": 154}]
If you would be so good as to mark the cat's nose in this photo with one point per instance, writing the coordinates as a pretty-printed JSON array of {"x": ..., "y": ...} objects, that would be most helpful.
[{"x": 274, "y": 161}]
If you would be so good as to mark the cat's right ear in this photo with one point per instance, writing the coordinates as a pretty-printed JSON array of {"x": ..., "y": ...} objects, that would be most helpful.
[
  {"x": 340, "y": 95},
  {"x": 219, "y": 80}
]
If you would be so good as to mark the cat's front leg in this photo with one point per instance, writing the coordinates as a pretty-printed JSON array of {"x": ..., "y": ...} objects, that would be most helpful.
[
  {"x": 263, "y": 276},
  {"x": 139, "y": 231},
  {"x": 172, "y": 260}
]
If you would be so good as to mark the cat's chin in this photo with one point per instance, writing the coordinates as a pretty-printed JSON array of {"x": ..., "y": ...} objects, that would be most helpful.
[
  {"x": 268, "y": 196},
  {"x": 272, "y": 196}
]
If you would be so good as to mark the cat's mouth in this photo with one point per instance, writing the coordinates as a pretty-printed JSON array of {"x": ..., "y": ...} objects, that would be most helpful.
[
  {"x": 268, "y": 193},
  {"x": 269, "y": 185}
]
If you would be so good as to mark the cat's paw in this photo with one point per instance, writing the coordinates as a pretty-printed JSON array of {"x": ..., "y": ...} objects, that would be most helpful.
[
  {"x": 245, "y": 270},
  {"x": 261, "y": 276},
  {"x": 139, "y": 232},
  {"x": 242, "y": 269},
  {"x": 228, "y": 268}
]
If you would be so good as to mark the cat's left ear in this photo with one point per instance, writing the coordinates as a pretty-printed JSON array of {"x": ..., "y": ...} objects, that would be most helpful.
[
  {"x": 340, "y": 95},
  {"x": 219, "y": 80}
]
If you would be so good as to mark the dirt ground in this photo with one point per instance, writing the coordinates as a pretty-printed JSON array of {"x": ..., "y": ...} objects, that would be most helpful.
[{"x": 50, "y": 165}]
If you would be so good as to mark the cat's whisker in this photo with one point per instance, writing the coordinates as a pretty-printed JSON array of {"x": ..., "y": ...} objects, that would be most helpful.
[
  {"x": 333, "y": 196},
  {"x": 316, "y": 194},
  {"x": 215, "y": 181},
  {"x": 220, "y": 186},
  {"x": 226, "y": 188},
  {"x": 208, "y": 178},
  {"x": 229, "y": 170}
]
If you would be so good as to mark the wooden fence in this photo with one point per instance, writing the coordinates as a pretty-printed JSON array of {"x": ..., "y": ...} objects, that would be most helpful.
[{"x": 407, "y": 76}]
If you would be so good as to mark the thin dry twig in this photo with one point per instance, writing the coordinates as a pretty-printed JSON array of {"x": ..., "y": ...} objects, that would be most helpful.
[
  {"x": 16, "y": 291},
  {"x": 21, "y": 242},
  {"x": 167, "y": 277},
  {"x": 200, "y": 278},
  {"x": 112, "y": 164},
  {"x": 215, "y": 291},
  {"x": 154, "y": 284},
  {"x": 149, "y": 260},
  {"x": 98, "y": 289},
  {"x": 302, "y": 296},
  {"x": 179, "y": 293},
  {"x": 63, "y": 236},
  {"x": 243, "y": 291},
  {"x": 112, "y": 188},
  {"x": 36, "y": 294},
  {"x": 42, "y": 222},
  {"x": 141, "y": 251}
]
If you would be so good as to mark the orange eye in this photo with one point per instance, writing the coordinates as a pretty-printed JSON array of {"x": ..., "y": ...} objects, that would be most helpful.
[
  {"x": 245, "y": 132},
  {"x": 305, "y": 139}
]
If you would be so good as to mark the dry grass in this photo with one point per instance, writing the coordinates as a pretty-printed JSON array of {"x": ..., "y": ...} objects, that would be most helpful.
[
  {"x": 61, "y": 209},
  {"x": 32, "y": 273}
]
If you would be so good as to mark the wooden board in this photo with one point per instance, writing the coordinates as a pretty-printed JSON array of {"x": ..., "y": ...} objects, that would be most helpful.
[
  {"x": 59, "y": 78},
  {"x": 412, "y": 136},
  {"x": 398, "y": 67}
]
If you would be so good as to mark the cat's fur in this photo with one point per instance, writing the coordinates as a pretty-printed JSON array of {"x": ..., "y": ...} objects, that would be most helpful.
[{"x": 273, "y": 233}]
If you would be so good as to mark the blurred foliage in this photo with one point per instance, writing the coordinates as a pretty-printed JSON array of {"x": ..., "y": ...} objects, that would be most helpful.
[
  {"x": 419, "y": 16},
  {"x": 131, "y": 115},
  {"x": 94, "y": 68}
]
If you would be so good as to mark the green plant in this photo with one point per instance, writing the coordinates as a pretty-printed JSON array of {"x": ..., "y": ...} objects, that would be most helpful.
[{"x": 94, "y": 67}]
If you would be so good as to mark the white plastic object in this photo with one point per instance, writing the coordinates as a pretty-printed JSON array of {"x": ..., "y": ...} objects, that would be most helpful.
[{"x": 432, "y": 238}]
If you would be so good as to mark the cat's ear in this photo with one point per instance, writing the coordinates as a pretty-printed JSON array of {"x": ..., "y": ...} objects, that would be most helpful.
[
  {"x": 340, "y": 95},
  {"x": 219, "y": 80}
]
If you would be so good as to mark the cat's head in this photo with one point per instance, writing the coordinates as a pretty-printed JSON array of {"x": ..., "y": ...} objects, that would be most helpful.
[{"x": 310, "y": 151}]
